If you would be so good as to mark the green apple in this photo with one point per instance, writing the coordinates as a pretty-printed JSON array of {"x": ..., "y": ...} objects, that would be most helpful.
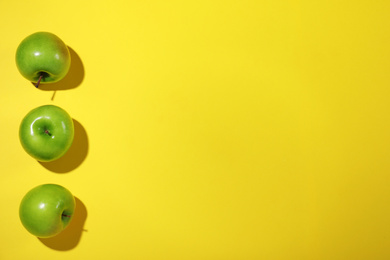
[
  {"x": 42, "y": 57},
  {"x": 46, "y": 210},
  {"x": 46, "y": 133}
]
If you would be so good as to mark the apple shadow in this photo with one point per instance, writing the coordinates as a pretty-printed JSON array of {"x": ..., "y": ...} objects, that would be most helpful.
[
  {"x": 73, "y": 78},
  {"x": 76, "y": 154},
  {"x": 70, "y": 237}
]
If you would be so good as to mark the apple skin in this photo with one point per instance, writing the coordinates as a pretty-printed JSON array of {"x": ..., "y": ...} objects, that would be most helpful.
[
  {"x": 43, "y": 53},
  {"x": 46, "y": 210},
  {"x": 46, "y": 133}
]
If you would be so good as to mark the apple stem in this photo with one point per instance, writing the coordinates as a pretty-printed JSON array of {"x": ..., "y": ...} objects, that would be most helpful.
[
  {"x": 68, "y": 216},
  {"x": 47, "y": 132},
  {"x": 39, "y": 81}
]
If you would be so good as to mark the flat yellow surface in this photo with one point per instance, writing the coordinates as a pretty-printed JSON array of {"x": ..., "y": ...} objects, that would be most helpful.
[{"x": 207, "y": 129}]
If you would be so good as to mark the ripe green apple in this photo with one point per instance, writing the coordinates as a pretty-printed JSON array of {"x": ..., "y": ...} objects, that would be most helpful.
[
  {"x": 46, "y": 133},
  {"x": 46, "y": 210},
  {"x": 42, "y": 57}
]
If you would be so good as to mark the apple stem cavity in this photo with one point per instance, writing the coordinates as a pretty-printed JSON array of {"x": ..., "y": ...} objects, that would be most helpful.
[
  {"x": 39, "y": 81},
  {"x": 47, "y": 132}
]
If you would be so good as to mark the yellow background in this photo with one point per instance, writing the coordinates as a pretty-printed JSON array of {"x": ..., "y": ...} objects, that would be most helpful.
[{"x": 207, "y": 129}]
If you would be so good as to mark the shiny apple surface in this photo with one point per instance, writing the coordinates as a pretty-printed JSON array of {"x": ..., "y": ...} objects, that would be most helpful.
[
  {"x": 46, "y": 133},
  {"x": 46, "y": 210},
  {"x": 43, "y": 54}
]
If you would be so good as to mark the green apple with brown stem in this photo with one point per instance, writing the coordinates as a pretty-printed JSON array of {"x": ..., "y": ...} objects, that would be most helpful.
[
  {"x": 46, "y": 210},
  {"x": 43, "y": 57},
  {"x": 46, "y": 133}
]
